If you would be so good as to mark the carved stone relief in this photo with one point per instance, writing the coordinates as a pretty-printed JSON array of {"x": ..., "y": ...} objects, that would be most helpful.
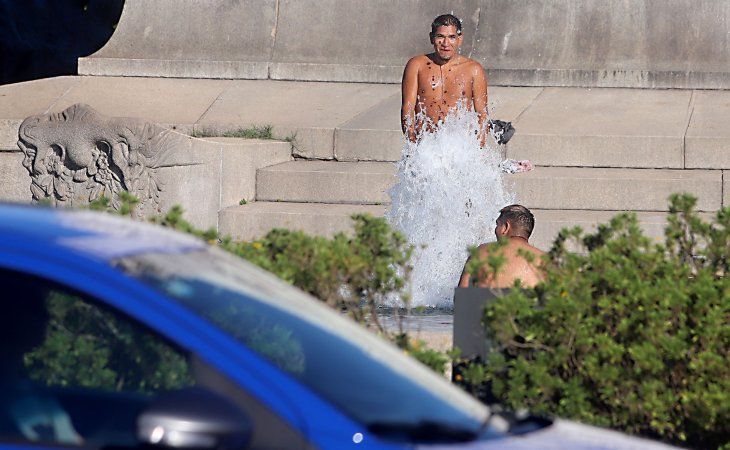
[{"x": 78, "y": 155}]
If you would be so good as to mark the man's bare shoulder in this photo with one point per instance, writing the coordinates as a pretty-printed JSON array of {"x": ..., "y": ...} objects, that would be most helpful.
[
  {"x": 472, "y": 67},
  {"x": 485, "y": 249},
  {"x": 418, "y": 61}
]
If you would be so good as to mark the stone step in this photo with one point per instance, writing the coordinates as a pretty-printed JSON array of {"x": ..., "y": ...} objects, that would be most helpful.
[
  {"x": 615, "y": 189},
  {"x": 254, "y": 220},
  {"x": 569, "y": 127},
  {"x": 553, "y": 150},
  {"x": 326, "y": 182},
  {"x": 240, "y": 161},
  {"x": 543, "y": 188}
]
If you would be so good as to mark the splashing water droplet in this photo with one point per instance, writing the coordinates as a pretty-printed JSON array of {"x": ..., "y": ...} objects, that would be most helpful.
[{"x": 448, "y": 194}]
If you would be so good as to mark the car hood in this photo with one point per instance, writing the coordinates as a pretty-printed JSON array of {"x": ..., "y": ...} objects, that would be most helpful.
[{"x": 561, "y": 435}]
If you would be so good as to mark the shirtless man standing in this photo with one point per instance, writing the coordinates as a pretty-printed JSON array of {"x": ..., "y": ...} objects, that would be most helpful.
[
  {"x": 514, "y": 224},
  {"x": 436, "y": 83}
]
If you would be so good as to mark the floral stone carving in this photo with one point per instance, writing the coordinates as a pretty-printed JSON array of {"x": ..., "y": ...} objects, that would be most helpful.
[{"x": 78, "y": 155}]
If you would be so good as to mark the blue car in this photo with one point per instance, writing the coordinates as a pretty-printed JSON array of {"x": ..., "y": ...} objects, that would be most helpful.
[{"x": 120, "y": 334}]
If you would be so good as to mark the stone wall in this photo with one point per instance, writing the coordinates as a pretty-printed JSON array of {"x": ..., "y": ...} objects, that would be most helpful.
[
  {"x": 608, "y": 43},
  {"x": 78, "y": 155}
]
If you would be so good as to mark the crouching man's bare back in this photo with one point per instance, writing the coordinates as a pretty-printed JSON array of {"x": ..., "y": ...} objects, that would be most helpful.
[
  {"x": 514, "y": 225},
  {"x": 436, "y": 83}
]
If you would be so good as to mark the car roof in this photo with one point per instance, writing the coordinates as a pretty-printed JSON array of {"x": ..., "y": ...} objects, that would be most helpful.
[{"x": 96, "y": 235}]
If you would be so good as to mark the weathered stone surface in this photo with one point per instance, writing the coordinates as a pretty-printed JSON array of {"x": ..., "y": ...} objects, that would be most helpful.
[
  {"x": 615, "y": 189},
  {"x": 309, "y": 112},
  {"x": 605, "y": 43},
  {"x": 188, "y": 38},
  {"x": 303, "y": 51},
  {"x": 240, "y": 159},
  {"x": 254, "y": 220},
  {"x": 375, "y": 134},
  {"x": 14, "y": 181},
  {"x": 592, "y": 43},
  {"x": 543, "y": 188},
  {"x": 161, "y": 101},
  {"x": 603, "y": 128},
  {"x": 20, "y": 100},
  {"x": 326, "y": 182},
  {"x": 78, "y": 155},
  {"x": 707, "y": 144},
  {"x": 548, "y": 224},
  {"x": 9, "y": 134},
  {"x": 726, "y": 188}
]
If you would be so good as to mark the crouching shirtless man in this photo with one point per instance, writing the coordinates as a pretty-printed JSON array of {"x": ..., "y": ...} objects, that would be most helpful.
[{"x": 514, "y": 227}]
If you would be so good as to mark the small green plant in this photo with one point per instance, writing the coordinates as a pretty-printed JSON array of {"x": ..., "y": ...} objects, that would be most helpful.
[
  {"x": 434, "y": 359},
  {"x": 252, "y": 132},
  {"x": 243, "y": 202}
]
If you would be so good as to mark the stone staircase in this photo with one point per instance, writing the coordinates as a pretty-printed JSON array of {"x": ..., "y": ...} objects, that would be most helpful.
[
  {"x": 597, "y": 151},
  {"x": 319, "y": 196}
]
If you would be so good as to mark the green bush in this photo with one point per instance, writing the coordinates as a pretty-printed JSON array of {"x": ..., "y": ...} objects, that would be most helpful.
[
  {"x": 356, "y": 273},
  {"x": 629, "y": 334}
]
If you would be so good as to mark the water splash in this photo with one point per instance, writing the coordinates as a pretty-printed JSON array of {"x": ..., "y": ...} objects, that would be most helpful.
[{"x": 448, "y": 194}]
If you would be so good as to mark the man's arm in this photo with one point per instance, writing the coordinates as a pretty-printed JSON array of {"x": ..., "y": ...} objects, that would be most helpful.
[
  {"x": 409, "y": 89},
  {"x": 480, "y": 98}
]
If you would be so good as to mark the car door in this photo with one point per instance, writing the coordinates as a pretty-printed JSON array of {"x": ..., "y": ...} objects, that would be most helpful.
[{"x": 78, "y": 372}]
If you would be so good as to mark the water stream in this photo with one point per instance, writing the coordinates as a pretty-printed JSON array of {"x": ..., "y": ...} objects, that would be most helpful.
[{"x": 448, "y": 194}]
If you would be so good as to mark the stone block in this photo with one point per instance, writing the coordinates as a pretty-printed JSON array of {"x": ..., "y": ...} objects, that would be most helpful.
[
  {"x": 240, "y": 159},
  {"x": 195, "y": 188},
  {"x": 599, "y": 43},
  {"x": 311, "y": 143},
  {"x": 592, "y": 43},
  {"x": 326, "y": 182},
  {"x": 548, "y": 223},
  {"x": 603, "y": 128},
  {"x": 368, "y": 145},
  {"x": 9, "y": 134},
  {"x": 254, "y": 220},
  {"x": 157, "y": 100},
  {"x": 79, "y": 155},
  {"x": 707, "y": 145},
  {"x": 615, "y": 189},
  {"x": 375, "y": 134},
  {"x": 15, "y": 181},
  {"x": 302, "y": 52},
  {"x": 20, "y": 100},
  {"x": 726, "y": 188},
  {"x": 180, "y": 68},
  {"x": 309, "y": 112},
  {"x": 189, "y": 38}
]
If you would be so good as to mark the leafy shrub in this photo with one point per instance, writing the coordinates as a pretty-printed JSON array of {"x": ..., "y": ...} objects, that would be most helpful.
[
  {"x": 630, "y": 334},
  {"x": 87, "y": 346},
  {"x": 356, "y": 273}
]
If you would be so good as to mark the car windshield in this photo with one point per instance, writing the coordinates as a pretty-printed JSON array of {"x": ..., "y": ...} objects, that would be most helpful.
[{"x": 368, "y": 379}]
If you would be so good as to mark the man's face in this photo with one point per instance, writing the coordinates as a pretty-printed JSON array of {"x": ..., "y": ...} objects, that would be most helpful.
[{"x": 446, "y": 42}]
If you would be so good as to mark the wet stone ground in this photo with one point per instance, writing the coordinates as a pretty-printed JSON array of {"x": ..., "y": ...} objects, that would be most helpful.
[{"x": 433, "y": 326}]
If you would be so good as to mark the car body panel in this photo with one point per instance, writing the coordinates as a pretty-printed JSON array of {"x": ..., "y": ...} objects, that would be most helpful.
[{"x": 74, "y": 249}]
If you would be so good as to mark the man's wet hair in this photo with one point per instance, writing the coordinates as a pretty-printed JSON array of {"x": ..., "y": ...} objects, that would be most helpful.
[
  {"x": 519, "y": 217},
  {"x": 445, "y": 20}
]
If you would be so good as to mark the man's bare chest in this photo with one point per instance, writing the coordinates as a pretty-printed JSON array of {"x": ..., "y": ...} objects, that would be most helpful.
[{"x": 443, "y": 83}]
